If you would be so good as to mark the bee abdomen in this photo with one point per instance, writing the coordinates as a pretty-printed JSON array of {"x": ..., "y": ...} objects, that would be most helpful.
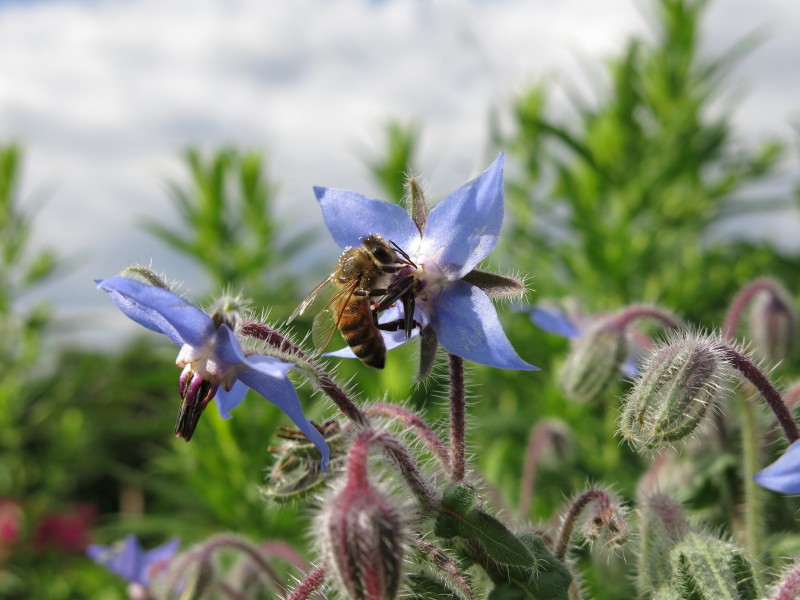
[{"x": 364, "y": 338}]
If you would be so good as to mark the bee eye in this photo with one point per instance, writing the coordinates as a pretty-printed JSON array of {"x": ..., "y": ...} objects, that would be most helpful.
[{"x": 381, "y": 255}]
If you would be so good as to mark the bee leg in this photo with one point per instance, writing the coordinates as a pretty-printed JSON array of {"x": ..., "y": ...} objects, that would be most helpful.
[
  {"x": 397, "y": 325},
  {"x": 394, "y": 292},
  {"x": 409, "y": 302}
]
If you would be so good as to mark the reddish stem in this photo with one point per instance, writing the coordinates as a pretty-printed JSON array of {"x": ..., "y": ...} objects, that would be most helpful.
[
  {"x": 539, "y": 436},
  {"x": 359, "y": 452},
  {"x": 310, "y": 584},
  {"x": 575, "y": 510},
  {"x": 768, "y": 391},
  {"x": 736, "y": 310},
  {"x": 417, "y": 424},
  {"x": 457, "y": 419},
  {"x": 326, "y": 384},
  {"x": 645, "y": 311}
]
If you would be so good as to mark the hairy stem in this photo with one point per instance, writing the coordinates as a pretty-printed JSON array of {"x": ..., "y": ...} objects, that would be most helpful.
[
  {"x": 417, "y": 425},
  {"x": 575, "y": 510},
  {"x": 736, "y": 310},
  {"x": 326, "y": 384},
  {"x": 457, "y": 419},
  {"x": 646, "y": 311},
  {"x": 310, "y": 584},
  {"x": 764, "y": 386},
  {"x": 359, "y": 452}
]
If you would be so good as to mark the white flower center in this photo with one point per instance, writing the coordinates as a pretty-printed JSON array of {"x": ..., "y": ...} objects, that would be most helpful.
[{"x": 204, "y": 362}]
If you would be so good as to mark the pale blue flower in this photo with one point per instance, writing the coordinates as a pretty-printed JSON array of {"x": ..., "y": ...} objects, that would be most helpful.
[
  {"x": 460, "y": 232},
  {"x": 784, "y": 474},
  {"x": 130, "y": 561},
  {"x": 214, "y": 364}
]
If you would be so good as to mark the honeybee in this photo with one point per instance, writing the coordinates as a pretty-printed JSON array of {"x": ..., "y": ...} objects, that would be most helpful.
[{"x": 377, "y": 270}]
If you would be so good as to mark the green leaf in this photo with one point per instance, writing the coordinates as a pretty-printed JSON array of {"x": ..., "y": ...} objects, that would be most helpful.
[
  {"x": 459, "y": 518},
  {"x": 427, "y": 588}
]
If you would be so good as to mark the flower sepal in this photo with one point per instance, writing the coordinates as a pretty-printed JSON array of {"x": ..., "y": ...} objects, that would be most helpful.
[{"x": 296, "y": 474}]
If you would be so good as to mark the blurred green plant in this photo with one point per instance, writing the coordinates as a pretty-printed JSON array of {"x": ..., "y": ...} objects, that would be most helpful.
[
  {"x": 226, "y": 224},
  {"x": 641, "y": 175}
]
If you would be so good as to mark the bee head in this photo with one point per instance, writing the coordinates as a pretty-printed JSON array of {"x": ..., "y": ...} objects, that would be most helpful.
[{"x": 380, "y": 249}]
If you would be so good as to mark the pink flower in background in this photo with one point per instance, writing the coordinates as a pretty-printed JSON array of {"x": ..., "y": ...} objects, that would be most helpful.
[{"x": 65, "y": 531}]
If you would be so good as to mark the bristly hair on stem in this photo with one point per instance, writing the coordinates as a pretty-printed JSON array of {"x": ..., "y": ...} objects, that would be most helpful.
[
  {"x": 339, "y": 397},
  {"x": 457, "y": 419},
  {"x": 603, "y": 519},
  {"x": 310, "y": 584}
]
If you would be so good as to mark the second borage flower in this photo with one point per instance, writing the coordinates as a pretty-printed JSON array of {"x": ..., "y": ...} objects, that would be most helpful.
[{"x": 452, "y": 296}]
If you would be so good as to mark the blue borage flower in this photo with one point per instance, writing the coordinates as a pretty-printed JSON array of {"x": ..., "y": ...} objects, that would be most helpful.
[
  {"x": 214, "y": 364},
  {"x": 459, "y": 233},
  {"x": 130, "y": 561},
  {"x": 784, "y": 474}
]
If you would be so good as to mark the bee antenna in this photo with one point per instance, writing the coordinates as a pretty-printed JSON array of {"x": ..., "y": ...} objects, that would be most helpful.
[{"x": 403, "y": 253}]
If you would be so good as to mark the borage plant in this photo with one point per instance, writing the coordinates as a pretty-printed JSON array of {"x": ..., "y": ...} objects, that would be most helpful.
[{"x": 419, "y": 523}]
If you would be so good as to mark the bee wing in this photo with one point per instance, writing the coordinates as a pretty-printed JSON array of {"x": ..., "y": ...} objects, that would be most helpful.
[
  {"x": 324, "y": 286},
  {"x": 323, "y": 328},
  {"x": 326, "y": 322}
]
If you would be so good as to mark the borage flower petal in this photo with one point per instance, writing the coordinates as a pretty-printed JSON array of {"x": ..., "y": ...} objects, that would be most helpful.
[
  {"x": 463, "y": 228},
  {"x": 467, "y": 325},
  {"x": 350, "y": 216},
  {"x": 214, "y": 363},
  {"x": 784, "y": 474},
  {"x": 460, "y": 232}
]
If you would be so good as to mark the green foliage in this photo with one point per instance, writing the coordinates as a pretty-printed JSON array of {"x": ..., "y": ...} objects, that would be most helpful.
[
  {"x": 638, "y": 177},
  {"x": 393, "y": 169},
  {"x": 227, "y": 225}
]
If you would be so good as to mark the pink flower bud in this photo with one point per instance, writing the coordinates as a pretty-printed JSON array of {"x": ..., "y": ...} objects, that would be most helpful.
[
  {"x": 773, "y": 324},
  {"x": 362, "y": 533}
]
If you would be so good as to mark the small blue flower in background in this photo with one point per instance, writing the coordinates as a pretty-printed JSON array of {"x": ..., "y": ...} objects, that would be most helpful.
[
  {"x": 784, "y": 474},
  {"x": 130, "y": 561},
  {"x": 572, "y": 326},
  {"x": 460, "y": 232},
  {"x": 213, "y": 361}
]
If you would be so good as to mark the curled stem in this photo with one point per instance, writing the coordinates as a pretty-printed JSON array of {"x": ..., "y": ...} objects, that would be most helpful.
[
  {"x": 540, "y": 435},
  {"x": 326, "y": 384},
  {"x": 646, "y": 311},
  {"x": 736, "y": 310},
  {"x": 754, "y": 375},
  {"x": 417, "y": 424},
  {"x": 575, "y": 510},
  {"x": 226, "y": 540},
  {"x": 357, "y": 462},
  {"x": 457, "y": 419},
  {"x": 310, "y": 584}
]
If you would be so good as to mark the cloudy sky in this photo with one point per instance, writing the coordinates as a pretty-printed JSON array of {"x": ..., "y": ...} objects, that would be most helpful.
[{"x": 104, "y": 93}]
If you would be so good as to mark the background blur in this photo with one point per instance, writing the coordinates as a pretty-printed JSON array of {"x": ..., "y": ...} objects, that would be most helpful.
[{"x": 651, "y": 156}]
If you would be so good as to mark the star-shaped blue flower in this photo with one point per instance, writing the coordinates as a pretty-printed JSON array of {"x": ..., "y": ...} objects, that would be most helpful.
[
  {"x": 214, "y": 364},
  {"x": 784, "y": 474},
  {"x": 130, "y": 561},
  {"x": 459, "y": 233}
]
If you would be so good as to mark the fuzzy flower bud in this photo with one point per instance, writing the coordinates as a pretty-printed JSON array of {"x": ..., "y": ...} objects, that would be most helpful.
[
  {"x": 773, "y": 324},
  {"x": 788, "y": 588},
  {"x": 679, "y": 383},
  {"x": 600, "y": 518},
  {"x": 594, "y": 360},
  {"x": 704, "y": 566},
  {"x": 363, "y": 533}
]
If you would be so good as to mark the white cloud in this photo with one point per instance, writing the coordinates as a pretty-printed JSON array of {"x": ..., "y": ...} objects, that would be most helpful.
[{"x": 103, "y": 94}]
